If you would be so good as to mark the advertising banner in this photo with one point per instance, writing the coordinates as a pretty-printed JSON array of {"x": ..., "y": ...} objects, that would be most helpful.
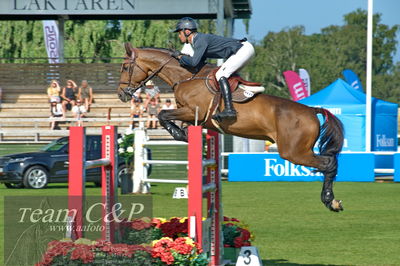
[
  {"x": 396, "y": 159},
  {"x": 50, "y": 30},
  {"x": 271, "y": 167},
  {"x": 296, "y": 86},
  {"x": 305, "y": 77},
  {"x": 352, "y": 79}
]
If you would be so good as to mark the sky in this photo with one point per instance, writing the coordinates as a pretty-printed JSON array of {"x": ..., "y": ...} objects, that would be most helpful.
[{"x": 275, "y": 15}]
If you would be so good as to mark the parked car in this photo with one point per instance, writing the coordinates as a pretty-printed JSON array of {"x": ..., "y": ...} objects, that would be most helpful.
[{"x": 49, "y": 165}]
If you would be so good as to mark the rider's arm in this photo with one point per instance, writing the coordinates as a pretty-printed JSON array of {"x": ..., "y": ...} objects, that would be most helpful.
[{"x": 196, "y": 59}]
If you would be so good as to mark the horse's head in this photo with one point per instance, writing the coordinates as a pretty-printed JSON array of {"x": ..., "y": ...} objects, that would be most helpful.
[{"x": 132, "y": 74}]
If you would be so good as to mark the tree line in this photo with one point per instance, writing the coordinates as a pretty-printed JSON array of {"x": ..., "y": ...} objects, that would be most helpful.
[{"x": 324, "y": 55}]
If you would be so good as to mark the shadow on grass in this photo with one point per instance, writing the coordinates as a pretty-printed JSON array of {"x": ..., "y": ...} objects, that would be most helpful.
[{"x": 288, "y": 263}]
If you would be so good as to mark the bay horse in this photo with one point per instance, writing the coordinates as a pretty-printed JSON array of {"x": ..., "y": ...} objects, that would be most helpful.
[{"x": 293, "y": 126}]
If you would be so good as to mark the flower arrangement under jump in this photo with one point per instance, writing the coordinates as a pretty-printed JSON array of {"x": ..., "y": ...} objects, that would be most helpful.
[
  {"x": 236, "y": 233},
  {"x": 145, "y": 241}
]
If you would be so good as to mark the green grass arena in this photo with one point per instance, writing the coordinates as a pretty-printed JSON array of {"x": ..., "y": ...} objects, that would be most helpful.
[{"x": 291, "y": 225}]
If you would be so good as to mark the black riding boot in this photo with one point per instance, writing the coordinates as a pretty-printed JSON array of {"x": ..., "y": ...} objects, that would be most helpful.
[{"x": 229, "y": 113}]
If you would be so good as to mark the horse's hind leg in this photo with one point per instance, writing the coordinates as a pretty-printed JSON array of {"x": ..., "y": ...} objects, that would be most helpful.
[
  {"x": 325, "y": 164},
  {"x": 329, "y": 169},
  {"x": 183, "y": 114}
]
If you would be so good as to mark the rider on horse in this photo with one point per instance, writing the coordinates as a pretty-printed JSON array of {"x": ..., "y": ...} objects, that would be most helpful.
[{"x": 236, "y": 52}]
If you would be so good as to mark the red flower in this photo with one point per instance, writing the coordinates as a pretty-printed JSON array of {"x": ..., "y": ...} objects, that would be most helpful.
[
  {"x": 181, "y": 247},
  {"x": 174, "y": 228},
  {"x": 156, "y": 222},
  {"x": 162, "y": 250},
  {"x": 238, "y": 242},
  {"x": 226, "y": 219},
  {"x": 167, "y": 257},
  {"x": 245, "y": 234},
  {"x": 55, "y": 248},
  {"x": 83, "y": 253},
  {"x": 140, "y": 224},
  {"x": 230, "y": 224}
]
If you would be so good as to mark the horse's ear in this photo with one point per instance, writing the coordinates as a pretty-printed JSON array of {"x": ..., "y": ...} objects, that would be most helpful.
[{"x": 128, "y": 49}]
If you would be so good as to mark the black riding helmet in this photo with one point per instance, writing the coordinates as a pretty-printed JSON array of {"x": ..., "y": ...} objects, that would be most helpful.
[{"x": 186, "y": 23}]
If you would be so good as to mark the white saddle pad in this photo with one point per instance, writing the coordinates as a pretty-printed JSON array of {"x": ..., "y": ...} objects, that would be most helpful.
[{"x": 252, "y": 88}]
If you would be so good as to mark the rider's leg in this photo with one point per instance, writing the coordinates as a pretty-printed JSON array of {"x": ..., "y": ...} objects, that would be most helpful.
[
  {"x": 231, "y": 65},
  {"x": 229, "y": 113}
]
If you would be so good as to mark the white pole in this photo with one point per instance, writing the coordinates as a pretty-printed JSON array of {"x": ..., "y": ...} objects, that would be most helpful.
[
  {"x": 368, "y": 116},
  {"x": 139, "y": 171},
  {"x": 220, "y": 23}
]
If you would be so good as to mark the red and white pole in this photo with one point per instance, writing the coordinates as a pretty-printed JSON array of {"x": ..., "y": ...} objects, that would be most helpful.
[
  {"x": 109, "y": 185},
  {"x": 195, "y": 178},
  {"x": 214, "y": 197}
]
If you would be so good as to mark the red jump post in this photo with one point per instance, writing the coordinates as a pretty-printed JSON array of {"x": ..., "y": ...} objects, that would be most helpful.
[
  {"x": 212, "y": 189},
  {"x": 77, "y": 180}
]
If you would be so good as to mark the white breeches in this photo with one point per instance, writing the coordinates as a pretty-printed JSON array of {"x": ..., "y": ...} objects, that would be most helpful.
[{"x": 236, "y": 61}]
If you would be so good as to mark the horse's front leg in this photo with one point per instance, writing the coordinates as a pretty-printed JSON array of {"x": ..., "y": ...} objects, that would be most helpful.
[{"x": 182, "y": 114}]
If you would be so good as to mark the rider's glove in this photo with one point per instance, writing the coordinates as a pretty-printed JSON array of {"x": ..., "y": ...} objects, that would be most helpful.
[{"x": 176, "y": 54}]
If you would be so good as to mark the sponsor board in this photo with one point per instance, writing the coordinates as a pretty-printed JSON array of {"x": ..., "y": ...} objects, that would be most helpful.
[
  {"x": 271, "y": 167},
  {"x": 396, "y": 164}
]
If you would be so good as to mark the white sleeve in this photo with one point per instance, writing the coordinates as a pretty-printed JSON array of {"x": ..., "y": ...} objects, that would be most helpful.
[{"x": 187, "y": 49}]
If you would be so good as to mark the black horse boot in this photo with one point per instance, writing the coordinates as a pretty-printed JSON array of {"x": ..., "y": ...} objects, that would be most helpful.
[{"x": 229, "y": 113}]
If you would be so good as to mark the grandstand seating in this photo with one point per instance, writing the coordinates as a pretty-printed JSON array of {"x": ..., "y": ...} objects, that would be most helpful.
[{"x": 23, "y": 107}]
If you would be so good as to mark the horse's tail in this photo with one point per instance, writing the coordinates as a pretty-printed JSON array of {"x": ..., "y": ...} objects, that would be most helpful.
[{"x": 332, "y": 136}]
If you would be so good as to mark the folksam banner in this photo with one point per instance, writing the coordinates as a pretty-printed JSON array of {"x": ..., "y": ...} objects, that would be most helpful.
[
  {"x": 352, "y": 79},
  {"x": 271, "y": 167},
  {"x": 295, "y": 85},
  {"x": 50, "y": 30},
  {"x": 305, "y": 77}
]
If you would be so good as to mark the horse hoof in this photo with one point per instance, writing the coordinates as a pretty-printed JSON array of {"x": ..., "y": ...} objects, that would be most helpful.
[{"x": 336, "y": 205}]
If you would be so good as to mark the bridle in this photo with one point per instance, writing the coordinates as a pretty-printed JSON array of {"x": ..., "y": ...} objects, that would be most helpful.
[{"x": 129, "y": 90}]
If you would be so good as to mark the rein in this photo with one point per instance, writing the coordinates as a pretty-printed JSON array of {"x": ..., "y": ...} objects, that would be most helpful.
[{"x": 188, "y": 79}]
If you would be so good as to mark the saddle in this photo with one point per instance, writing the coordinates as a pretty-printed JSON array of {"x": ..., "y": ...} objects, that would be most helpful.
[{"x": 242, "y": 90}]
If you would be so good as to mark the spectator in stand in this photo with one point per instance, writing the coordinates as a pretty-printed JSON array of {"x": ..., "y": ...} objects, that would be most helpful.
[
  {"x": 136, "y": 95},
  {"x": 54, "y": 91},
  {"x": 136, "y": 110},
  {"x": 69, "y": 95},
  {"x": 168, "y": 105},
  {"x": 56, "y": 111},
  {"x": 152, "y": 109},
  {"x": 85, "y": 94},
  {"x": 79, "y": 112},
  {"x": 152, "y": 92}
]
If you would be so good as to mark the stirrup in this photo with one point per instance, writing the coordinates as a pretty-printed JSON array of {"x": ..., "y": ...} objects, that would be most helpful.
[{"x": 225, "y": 115}]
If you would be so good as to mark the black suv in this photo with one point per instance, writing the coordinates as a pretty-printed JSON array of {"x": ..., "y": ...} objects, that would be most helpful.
[{"x": 37, "y": 169}]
